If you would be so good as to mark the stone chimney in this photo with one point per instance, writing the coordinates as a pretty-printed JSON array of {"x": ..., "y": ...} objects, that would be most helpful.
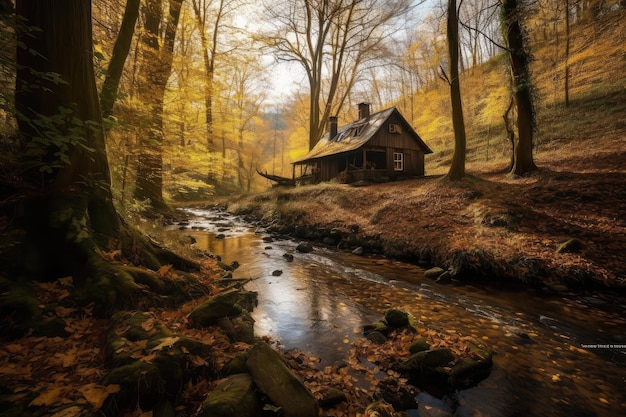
[
  {"x": 364, "y": 110},
  {"x": 332, "y": 127}
]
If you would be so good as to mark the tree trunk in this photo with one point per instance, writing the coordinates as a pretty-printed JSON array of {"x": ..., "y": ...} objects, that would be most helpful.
[
  {"x": 118, "y": 58},
  {"x": 457, "y": 168},
  {"x": 567, "y": 47},
  {"x": 519, "y": 59},
  {"x": 157, "y": 66},
  {"x": 63, "y": 119},
  {"x": 65, "y": 208}
]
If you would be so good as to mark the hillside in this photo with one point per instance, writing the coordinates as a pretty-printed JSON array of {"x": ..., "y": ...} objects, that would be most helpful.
[
  {"x": 490, "y": 225},
  {"x": 596, "y": 112}
]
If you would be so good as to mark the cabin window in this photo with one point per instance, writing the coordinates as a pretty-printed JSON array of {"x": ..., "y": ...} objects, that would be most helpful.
[
  {"x": 398, "y": 161},
  {"x": 394, "y": 128}
]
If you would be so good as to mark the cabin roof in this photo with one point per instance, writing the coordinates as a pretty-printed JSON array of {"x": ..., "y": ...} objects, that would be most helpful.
[{"x": 353, "y": 135}]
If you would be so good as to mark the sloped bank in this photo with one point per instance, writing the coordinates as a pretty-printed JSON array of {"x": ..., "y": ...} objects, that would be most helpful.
[{"x": 468, "y": 230}]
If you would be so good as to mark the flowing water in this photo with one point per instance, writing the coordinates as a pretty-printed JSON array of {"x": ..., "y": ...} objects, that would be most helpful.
[{"x": 555, "y": 355}]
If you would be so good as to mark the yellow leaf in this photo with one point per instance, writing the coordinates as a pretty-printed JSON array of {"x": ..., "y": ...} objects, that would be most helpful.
[
  {"x": 165, "y": 342},
  {"x": 96, "y": 394},
  {"x": 68, "y": 412},
  {"x": 197, "y": 360},
  {"x": 164, "y": 270},
  {"x": 48, "y": 397},
  {"x": 148, "y": 324},
  {"x": 13, "y": 348}
]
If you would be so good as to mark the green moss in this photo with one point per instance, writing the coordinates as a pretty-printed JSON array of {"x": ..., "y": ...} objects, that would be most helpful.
[{"x": 19, "y": 308}]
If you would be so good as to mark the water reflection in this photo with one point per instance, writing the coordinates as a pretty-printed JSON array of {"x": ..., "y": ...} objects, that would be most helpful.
[{"x": 321, "y": 299}]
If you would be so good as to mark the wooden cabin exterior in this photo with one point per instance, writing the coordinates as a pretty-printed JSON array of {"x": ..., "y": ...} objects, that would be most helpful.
[{"x": 377, "y": 147}]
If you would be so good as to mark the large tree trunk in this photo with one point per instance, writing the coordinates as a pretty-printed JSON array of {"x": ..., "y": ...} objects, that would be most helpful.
[
  {"x": 118, "y": 58},
  {"x": 157, "y": 67},
  {"x": 62, "y": 117},
  {"x": 457, "y": 168},
  {"x": 519, "y": 60},
  {"x": 64, "y": 205}
]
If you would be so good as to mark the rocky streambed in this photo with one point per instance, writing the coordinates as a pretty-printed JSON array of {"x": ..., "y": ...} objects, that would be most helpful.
[{"x": 534, "y": 343}]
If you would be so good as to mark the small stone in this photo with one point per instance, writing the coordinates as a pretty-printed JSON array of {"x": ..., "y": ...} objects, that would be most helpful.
[
  {"x": 573, "y": 245},
  {"x": 433, "y": 273},
  {"x": 419, "y": 345},
  {"x": 358, "y": 251},
  {"x": 397, "y": 318},
  {"x": 376, "y": 337},
  {"x": 333, "y": 397},
  {"x": 288, "y": 257},
  {"x": 277, "y": 273},
  {"x": 304, "y": 247},
  {"x": 558, "y": 287}
]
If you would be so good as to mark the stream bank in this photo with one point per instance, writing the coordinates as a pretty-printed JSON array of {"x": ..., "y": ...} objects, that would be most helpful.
[{"x": 494, "y": 229}]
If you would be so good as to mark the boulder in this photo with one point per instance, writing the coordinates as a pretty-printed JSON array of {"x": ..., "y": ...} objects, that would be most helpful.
[
  {"x": 282, "y": 386},
  {"x": 234, "y": 396}
]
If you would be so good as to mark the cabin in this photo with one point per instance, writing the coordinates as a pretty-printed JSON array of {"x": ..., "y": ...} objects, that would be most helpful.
[{"x": 377, "y": 147}]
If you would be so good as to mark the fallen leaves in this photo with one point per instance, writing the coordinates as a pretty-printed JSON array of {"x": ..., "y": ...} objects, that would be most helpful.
[{"x": 96, "y": 394}]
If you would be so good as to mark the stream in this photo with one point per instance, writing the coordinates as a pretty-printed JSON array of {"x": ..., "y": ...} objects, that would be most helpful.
[{"x": 555, "y": 355}]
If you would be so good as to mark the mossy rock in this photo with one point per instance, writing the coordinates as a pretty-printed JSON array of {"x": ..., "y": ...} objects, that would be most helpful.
[
  {"x": 135, "y": 335},
  {"x": 419, "y": 345},
  {"x": 332, "y": 397},
  {"x": 19, "y": 309},
  {"x": 433, "y": 273},
  {"x": 379, "y": 326},
  {"x": 376, "y": 337},
  {"x": 236, "y": 365},
  {"x": 396, "y": 318},
  {"x": 279, "y": 383},
  {"x": 226, "y": 304},
  {"x": 234, "y": 396},
  {"x": 141, "y": 384},
  {"x": 51, "y": 328},
  {"x": 240, "y": 328},
  {"x": 433, "y": 358}
]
